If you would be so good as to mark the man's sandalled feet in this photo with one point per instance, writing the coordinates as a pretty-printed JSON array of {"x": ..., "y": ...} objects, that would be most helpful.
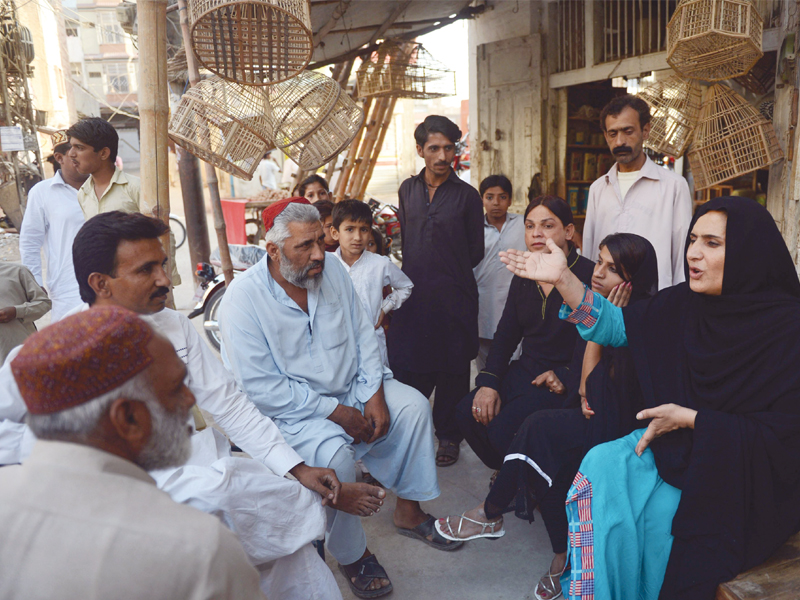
[
  {"x": 367, "y": 576},
  {"x": 411, "y": 521},
  {"x": 360, "y": 499},
  {"x": 470, "y": 525}
]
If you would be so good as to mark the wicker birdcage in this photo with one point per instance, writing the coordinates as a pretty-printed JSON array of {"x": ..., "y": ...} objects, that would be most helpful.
[
  {"x": 714, "y": 39},
  {"x": 225, "y": 124},
  {"x": 674, "y": 108},
  {"x": 313, "y": 119},
  {"x": 405, "y": 71},
  {"x": 732, "y": 138},
  {"x": 255, "y": 42}
]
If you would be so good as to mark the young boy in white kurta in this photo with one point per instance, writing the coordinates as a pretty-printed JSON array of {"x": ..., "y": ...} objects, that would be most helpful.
[{"x": 370, "y": 272}]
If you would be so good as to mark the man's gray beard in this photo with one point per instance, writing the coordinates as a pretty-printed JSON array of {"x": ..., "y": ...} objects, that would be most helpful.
[
  {"x": 300, "y": 277},
  {"x": 169, "y": 444}
]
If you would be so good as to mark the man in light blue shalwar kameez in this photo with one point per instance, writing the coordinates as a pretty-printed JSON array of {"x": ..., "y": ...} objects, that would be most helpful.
[{"x": 299, "y": 343}]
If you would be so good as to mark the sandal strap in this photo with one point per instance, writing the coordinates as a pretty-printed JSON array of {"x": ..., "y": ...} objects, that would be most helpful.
[
  {"x": 369, "y": 569},
  {"x": 483, "y": 525}
]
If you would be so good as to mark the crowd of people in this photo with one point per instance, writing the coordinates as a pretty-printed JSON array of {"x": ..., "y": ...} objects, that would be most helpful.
[{"x": 632, "y": 388}]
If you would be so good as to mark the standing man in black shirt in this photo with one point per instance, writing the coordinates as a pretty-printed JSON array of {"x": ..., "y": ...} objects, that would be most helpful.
[{"x": 434, "y": 335}]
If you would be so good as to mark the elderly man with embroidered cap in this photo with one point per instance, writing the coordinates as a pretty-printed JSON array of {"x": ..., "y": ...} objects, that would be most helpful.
[
  {"x": 81, "y": 518},
  {"x": 299, "y": 342}
]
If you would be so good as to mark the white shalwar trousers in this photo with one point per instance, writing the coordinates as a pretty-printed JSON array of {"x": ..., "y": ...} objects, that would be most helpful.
[{"x": 275, "y": 518}]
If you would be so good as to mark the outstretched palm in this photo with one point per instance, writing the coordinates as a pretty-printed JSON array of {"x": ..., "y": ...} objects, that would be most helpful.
[{"x": 545, "y": 267}]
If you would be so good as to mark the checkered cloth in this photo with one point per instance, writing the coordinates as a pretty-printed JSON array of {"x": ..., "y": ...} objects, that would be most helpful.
[
  {"x": 587, "y": 312},
  {"x": 581, "y": 538}
]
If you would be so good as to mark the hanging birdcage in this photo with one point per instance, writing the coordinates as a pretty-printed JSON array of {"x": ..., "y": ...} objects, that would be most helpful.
[
  {"x": 714, "y": 39},
  {"x": 405, "y": 71},
  {"x": 225, "y": 124},
  {"x": 674, "y": 108},
  {"x": 732, "y": 138},
  {"x": 313, "y": 119},
  {"x": 255, "y": 42}
]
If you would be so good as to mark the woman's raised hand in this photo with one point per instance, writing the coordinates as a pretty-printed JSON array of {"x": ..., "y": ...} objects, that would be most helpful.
[{"x": 545, "y": 267}]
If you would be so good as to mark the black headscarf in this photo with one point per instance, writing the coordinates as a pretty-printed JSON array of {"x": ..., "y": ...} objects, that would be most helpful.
[
  {"x": 612, "y": 388},
  {"x": 732, "y": 358}
]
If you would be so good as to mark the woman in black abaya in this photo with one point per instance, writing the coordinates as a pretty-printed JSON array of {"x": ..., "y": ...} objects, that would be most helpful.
[{"x": 712, "y": 486}]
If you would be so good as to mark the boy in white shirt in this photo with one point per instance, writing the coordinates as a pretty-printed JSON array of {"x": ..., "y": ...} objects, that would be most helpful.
[{"x": 370, "y": 272}]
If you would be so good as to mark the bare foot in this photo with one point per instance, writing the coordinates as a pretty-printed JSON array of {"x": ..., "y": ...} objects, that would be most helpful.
[
  {"x": 375, "y": 584},
  {"x": 360, "y": 499},
  {"x": 450, "y": 525}
]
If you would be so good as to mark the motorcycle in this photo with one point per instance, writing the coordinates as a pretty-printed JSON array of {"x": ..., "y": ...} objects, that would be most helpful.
[
  {"x": 384, "y": 216},
  {"x": 208, "y": 295}
]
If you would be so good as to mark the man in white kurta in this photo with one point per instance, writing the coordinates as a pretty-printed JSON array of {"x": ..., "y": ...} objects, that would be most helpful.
[
  {"x": 52, "y": 220},
  {"x": 636, "y": 195},
  {"x": 305, "y": 364},
  {"x": 81, "y": 518}
]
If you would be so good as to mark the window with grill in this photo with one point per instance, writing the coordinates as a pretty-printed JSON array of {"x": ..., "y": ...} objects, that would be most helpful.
[
  {"x": 109, "y": 30},
  {"x": 117, "y": 78}
]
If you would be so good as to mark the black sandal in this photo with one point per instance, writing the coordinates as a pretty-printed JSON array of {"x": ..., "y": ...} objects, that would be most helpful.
[
  {"x": 447, "y": 454},
  {"x": 366, "y": 571},
  {"x": 426, "y": 528}
]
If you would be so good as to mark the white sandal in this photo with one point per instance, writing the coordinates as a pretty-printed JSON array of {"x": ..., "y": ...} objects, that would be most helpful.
[{"x": 492, "y": 535}]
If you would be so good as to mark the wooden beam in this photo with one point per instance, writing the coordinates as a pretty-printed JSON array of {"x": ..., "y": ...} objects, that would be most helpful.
[
  {"x": 154, "y": 115},
  {"x": 338, "y": 13},
  {"x": 352, "y": 153},
  {"x": 376, "y": 151}
]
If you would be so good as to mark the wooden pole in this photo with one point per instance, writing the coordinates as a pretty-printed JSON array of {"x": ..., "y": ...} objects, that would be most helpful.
[
  {"x": 352, "y": 153},
  {"x": 341, "y": 74},
  {"x": 154, "y": 114},
  {"x": 376, "y": 151},
  {"x": 375, "y": 121},
  {"x": 211, "y": 175}
]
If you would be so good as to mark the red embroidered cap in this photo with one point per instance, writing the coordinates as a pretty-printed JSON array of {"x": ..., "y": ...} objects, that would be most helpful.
[
  {"x": 80, "y": 358},
  {"x": 273, "y": 210}
]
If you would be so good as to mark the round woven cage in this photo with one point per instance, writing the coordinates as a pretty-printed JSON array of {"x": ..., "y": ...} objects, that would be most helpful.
[
  {"x": 313, "y": 119},
  {"x": 714, "y": 39},
  {"x": 732, "y": 138},
  {"x": 256, "y": 42},
  {"x": 225, "y": 124},
  {"x": 405, "y": 71},
  {"x": 674, "y": 108}
]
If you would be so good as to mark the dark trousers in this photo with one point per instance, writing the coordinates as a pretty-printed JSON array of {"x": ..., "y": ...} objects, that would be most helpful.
[
  {"x": 449, "y": 388},
  {"x": 519, "y": 399},
  {"x": 554, "y": 440}
]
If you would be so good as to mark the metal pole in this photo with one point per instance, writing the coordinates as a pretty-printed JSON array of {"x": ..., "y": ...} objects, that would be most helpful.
[{"x": 211, "y": 175}]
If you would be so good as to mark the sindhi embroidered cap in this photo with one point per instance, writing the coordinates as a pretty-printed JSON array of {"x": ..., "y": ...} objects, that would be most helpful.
[
  {"x": 273, "y": 210},
  {"x": 80, "y": 358}
]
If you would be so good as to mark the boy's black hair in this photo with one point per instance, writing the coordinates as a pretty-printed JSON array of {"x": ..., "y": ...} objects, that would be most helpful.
[
  {"x": 436, "y": 124},
  {"x": 95, "y": 247},
  {"x": 619, "y": 103},
  {"x": 501, "y": 181},
  {"x": 351, "y": 210},
  {"x": 98, "y": 133},
  {"x": 301, "y": 189},
  {"x": 325, "y": 208},
  {"x": 378, "y": 237}
]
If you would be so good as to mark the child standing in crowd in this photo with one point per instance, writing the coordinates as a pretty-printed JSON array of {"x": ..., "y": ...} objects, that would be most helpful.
[
  {"x": 375, "y": 242},
  {"x": 370, "y": 272},
  {"x": 501, "y": 230},
  {"x": 314, "y": 188},
  {"x": 325, "y": 208}
]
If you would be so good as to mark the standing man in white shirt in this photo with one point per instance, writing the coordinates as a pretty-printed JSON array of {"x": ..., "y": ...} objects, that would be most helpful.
[
  {"x": 267, "y": 172},
  {"x": 52, "y": 219},
  {"x": 636, "y": 195}
]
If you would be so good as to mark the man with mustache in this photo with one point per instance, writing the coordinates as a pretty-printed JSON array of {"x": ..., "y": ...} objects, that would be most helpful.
[
  {"x": 119, "y": 261},
  {"x": 300, "y": 344},
  {"x": 434, "y": 335},
  {"x": 81, "y": 518},
  {"x": 636, "y": 195}
]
